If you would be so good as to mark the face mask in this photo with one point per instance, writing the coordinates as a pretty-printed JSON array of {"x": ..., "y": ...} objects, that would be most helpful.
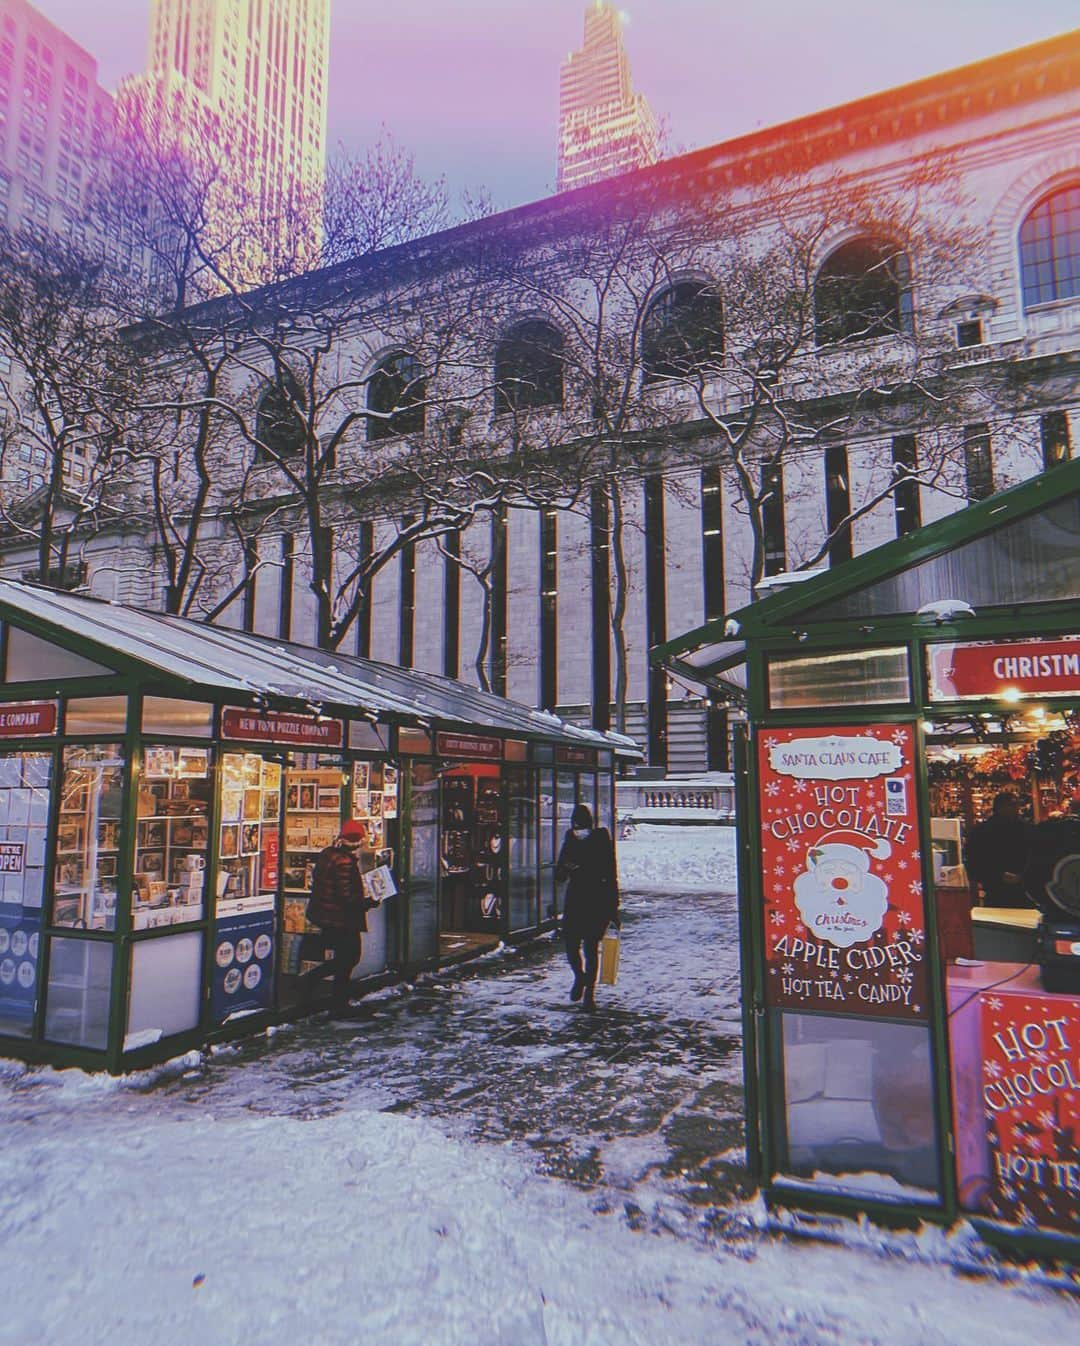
[{"x": 582, "y": 832}]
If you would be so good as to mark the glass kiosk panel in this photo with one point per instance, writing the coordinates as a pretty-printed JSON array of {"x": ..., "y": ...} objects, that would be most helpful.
[
  {"x": 88, "y": 836},
  {"x": 24, "y": 815}
]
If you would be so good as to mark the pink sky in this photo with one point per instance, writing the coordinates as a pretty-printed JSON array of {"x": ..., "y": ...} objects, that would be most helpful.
[{"x": 472, "y": 85}]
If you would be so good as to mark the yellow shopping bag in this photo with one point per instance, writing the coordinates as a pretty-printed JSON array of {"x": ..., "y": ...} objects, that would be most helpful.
[{"x": 609, "y": 960}]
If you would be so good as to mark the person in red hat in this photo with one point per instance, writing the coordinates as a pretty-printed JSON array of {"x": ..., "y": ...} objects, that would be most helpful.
[{"x": 339, "y": 908}]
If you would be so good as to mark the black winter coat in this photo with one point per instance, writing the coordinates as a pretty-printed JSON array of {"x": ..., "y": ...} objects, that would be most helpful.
[{"x": 592, "y": 894}]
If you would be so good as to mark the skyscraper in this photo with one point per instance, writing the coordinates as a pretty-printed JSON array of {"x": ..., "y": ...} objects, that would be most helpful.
[
  {"x": 54, "y": 121},
  {"x": 258, "y": 68},
  {"x": 604, "y": 126}
]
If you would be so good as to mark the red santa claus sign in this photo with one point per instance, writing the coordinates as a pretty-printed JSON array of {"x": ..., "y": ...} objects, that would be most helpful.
[{"x": 842, "y": 871}]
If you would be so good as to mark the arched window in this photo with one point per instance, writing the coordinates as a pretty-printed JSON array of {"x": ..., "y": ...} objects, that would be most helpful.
[
  {"x": 1050, "y": 248},
  {"x": 529, "y": 368},
  {"x": 279, "y": 425},
  {"x": 396, "y": 394},
  {"x": 863, "y": 291},
  {"x": 683, "y": 331}
]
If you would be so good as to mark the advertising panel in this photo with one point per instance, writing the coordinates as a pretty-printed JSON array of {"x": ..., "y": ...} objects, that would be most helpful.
[
  {"x": 27, "y": 719},
  {"x": 243, "y": 978},
  {"x": 1031, "y": 1100},
  {"x": 1019, "y": 668},
  {"x": 841, "y": 869},
  {"x": 469, "y": 745}
]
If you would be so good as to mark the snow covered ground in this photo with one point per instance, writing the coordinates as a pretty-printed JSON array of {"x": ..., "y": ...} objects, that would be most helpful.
[
  {"x": 478, "y": 1163},
  {"x": 675, "y": 858}
]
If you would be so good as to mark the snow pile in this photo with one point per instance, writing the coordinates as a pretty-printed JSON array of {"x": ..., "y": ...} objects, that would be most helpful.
[{"x": 677, "y": 859}]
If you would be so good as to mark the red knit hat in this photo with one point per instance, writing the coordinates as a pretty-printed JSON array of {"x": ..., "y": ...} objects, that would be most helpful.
[{"x": 353, "y": 831}]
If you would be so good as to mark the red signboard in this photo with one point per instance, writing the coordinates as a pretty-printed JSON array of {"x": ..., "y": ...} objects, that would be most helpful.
[
  {"x": 468, "y": 745},
  {"x": 27, "y": 719},
  {"x": 1031, "y": 1100},
  {"x": 575, "y": 756},
  {"x": 271, "y": 855},
  {"x": 281, "y": 727},
  {"x": 842, "y": 871},
  {"x": 996, "y": 668}
]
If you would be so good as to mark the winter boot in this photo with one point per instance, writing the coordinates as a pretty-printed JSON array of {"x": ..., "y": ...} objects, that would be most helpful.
[
  {"x": 578, "y": 988},
  {"x": 589, "y": 1003}
]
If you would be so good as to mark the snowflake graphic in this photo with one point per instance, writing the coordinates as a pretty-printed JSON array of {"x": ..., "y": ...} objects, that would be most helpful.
[
  {"x": 901, "y": 864},
  {"x": 905, "y": 975},
  {"x": 996, "y": 1003},
  {"x": 773, "y": 788},
  {"x": 778, "y": 918},
  {"x": 772, "y": 741},
  {"x": 801, "y": 787},
  {"x": 991, "y": 1135},
  {"x": 993, "y": 1069},
  {"x": 916, "y": 934},
  {"x": 848, "y": 977},
  {"x": 788, "y": 969},
  {"x": 1035, "y": 1142},
  {"x": 916, "y": 888},
  {"x": 792, "y": 845},
  {"x": 833, "y": 973},
  {"x": 1046, "y": 1118},
  {"x": 904, "y": 917},
  {"x": 899, "y": 736}
]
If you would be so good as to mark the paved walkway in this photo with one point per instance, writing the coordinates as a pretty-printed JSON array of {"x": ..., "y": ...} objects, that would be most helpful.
[{"x": 640, "y": 1102}]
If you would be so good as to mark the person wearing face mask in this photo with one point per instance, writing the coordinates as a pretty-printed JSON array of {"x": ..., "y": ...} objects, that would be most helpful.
[
  {"x": 339, "y": 908},
  {"x": 587, "y": 862}
]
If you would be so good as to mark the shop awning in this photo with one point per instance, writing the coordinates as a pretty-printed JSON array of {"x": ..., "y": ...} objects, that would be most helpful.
[{"x": 195, "y": 658}]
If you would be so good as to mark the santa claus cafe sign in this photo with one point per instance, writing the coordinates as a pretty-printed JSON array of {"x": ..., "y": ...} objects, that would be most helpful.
[{"x": 842, "y": 871}]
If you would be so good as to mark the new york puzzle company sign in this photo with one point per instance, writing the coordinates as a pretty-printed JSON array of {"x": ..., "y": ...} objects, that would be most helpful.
[{"x": 842, "y": 871}]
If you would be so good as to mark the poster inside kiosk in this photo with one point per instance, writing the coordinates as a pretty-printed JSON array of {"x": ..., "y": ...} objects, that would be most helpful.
[{"x": 841, "y": 866}]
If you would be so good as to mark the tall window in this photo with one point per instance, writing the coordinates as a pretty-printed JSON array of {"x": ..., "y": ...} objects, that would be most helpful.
[
  {"x": 656, "y": 617},
  {"x": 549, "y": 589},
  {"x": 1055, "y": 438},
  {"x": 395, "y": 397},
  {"x": 288, "y": 561},
  {"x": 772, "y": 518},
  {"x": 837, "y": 503},
  {"x": 365, "y": 548},
  {"x": 279, "y": 424},
  {"x": 906, "y": 505},
  {"x": 451, "y": 603},
  {"x": 529, "y": 368},
  {"x": 600, "y": 537},
  {"x": 863, "y": 290},
  {"x": 498, "y": 583},
  {"x": 978, "y": 465},
  {"x": 1050, "y": 248},
  {"x": 682, "y": 331},
  {"x": 712, "y": 542}
]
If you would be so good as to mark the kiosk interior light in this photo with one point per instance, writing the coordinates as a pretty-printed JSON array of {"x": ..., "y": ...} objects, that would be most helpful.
[{"x": 1010, "y": 695}]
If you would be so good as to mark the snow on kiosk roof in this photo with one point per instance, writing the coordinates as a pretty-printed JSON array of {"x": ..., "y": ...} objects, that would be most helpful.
[
  {"x": 899, "y": 993},
  {"x": 222, "y": 660}
]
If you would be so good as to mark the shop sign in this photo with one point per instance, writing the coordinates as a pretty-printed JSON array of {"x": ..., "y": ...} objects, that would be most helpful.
[
  {"x": 243, "y": 979},
  {"x": 1031, "y": 1101},
  {"x": 468, "y": 745},
  {"x": 281, "y": 727},
  {"x": 841, "y": 866},
  {"x": 575, "y": 756},
  {"x": 27, "y": 719},
  {"x": 11, "y": 857},
  {"x": 993, "y": 668}
]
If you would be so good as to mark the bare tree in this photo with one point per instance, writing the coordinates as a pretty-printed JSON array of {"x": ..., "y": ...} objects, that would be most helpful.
[{"x": 64, "y": 382}]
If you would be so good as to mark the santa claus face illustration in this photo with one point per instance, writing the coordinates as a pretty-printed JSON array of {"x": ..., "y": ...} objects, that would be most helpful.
[{"x": 839, "y": 900}]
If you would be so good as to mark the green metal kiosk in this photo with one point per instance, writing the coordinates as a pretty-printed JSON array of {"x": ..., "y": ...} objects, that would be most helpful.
[
  {"x": 166, "y": 787},
  {"x": 912, "y": 1016}
]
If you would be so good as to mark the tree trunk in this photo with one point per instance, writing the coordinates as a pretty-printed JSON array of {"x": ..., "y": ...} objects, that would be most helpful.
[{"x": 618, "y": 607}]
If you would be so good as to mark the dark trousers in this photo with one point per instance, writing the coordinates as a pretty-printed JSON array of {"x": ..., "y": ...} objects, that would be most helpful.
[
  {"x": 576, "y": 941},
  {"x": 345, "y": 954}
]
